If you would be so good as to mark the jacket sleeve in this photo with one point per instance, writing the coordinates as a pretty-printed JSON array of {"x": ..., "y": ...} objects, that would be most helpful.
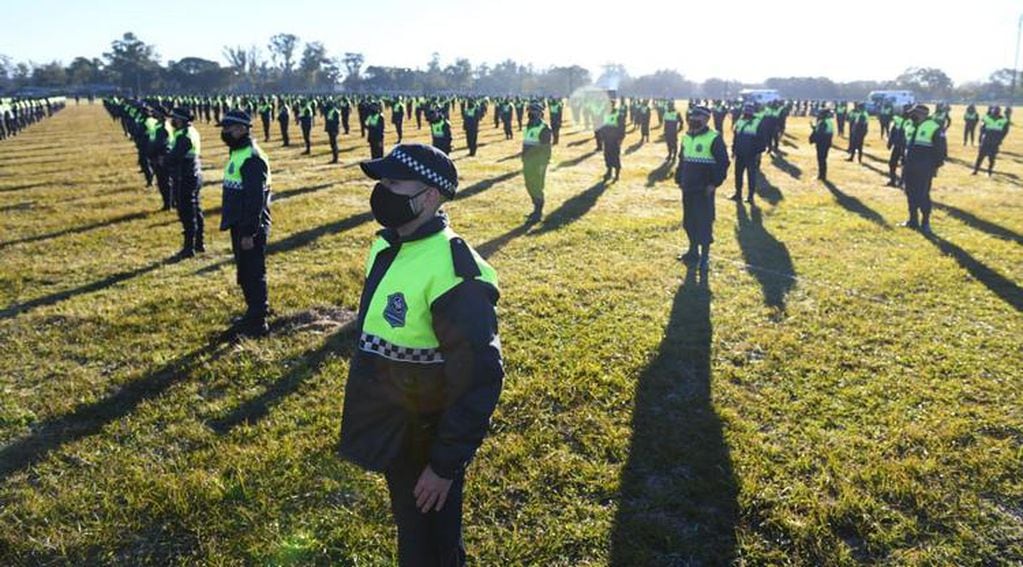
[
  {"x": 465, "y": 322},
  {"x": 253, "y": 180},
  {"x": 721, "y": 161}
]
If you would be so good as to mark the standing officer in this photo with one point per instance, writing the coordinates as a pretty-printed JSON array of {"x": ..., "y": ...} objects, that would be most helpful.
[
  {"x": 427, "y": 373},
  {"x": 158, "y": 150},
  {"x": 398, "y": 117},
  {"x": 283, "y": 117},
  {"x": 346, "y": 112},
  {"x": 266, "y": 109},
  {"x": 440, "y": 130},
  {"x": 884, "y": 117},
  {"x": 186, "y": 179},
  {"x": 332, "y": 125},
  {"x": 672, "y": 126},
  {"x": 821, "y": 137},
  {"x": 926, "y": 150},
  {"x": 611, "y": 133},
  {"x": 246, "y": 213},
  {"x": 991, "y": 135},
  {"x": 897, "y": 144},
  {"x": 555, "y": 107},
  {"x": 858, "y": 120},
  {"x": 748, "y": 143},
  {"x": 471, "y": 125},
  {"x": 702, "y": 168},
  {"x": 970, "y": 120},
  {"x": 536, "y": 154},
  {"x": 305, "y": 120},
  {"x": 374, "y": 124}
]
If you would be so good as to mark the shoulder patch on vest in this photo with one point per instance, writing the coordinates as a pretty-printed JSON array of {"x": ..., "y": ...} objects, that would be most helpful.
[
  {"x": 396, "y": 309},
  {"x": 465, "y": 264}
]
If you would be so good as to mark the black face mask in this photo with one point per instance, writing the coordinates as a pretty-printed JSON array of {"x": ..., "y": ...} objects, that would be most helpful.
[
  {"x": 232, "y": 142},
  {"x": 391, "y": 209}
]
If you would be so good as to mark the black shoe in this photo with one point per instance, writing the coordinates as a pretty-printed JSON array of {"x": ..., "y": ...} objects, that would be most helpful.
[
  {"x": 749, "y": 200},
  {"x": 891, "y": 184},
  {"x": 926, "y": 229},
  {"x": 689, "y": 257},
  {"x": 533, "y": 217},
  {"x": 254, "y": 330},
  {"x": 200, "y": 247},
  {"x": 184, "y": 254}
]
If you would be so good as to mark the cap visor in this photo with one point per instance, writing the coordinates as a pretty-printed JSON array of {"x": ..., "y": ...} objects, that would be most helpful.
[{"x": 386, "y": 168}]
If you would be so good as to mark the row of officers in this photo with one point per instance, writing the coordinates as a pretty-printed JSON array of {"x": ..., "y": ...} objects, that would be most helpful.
[{"x": 17, "y": 114}]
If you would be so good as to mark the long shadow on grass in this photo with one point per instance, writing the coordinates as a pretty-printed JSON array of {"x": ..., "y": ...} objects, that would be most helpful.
[
  {"x": 302, "y": 367},
  {"x": 678, "y": 490},
  {"x": 854, "y": 205},
  {"x": 767, "y": 258},
  {"x": 588, "y": 139},
  {"x": 88, "y": 419},
  {"x": 1000, "y": 285},
  {"x": 769, "y": 191},
  {"x": 79, "y": 229},
  {"x": 576, "y": 160},
  {"x": 980, "y": 224},
  {"x": 634, "y": 147},
  {"x": 492, "y": 246},
  {"x": 279, "y": 196},
  {"x": 789, "y": 168},
  {"x": 571, "y": 210},
  {"x": 661, "y": 173},
  {"x": 104, "y": 283}
]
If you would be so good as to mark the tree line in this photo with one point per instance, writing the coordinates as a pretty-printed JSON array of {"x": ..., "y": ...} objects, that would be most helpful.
[{"x": 287, "y": 64}]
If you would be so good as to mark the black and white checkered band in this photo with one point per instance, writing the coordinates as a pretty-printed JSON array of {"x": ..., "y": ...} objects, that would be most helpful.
[
  {"x": 377, "y": 345},
  {"x": 435, "y": 178}
]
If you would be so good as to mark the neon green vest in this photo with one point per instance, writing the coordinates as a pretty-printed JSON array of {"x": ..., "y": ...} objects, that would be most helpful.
[
  {"x": 532, "y": 135},
  {"x": 897, "y": 122},
  {"x": 696, "y": 149},
  {"x": 671, "y": 116},
  {"x": 829, "y": 125},
  {"x": 555, "y": 107},
  {"x": 747, "y": 126},
  {"x": 923, "y": 133},
  {"x": 193, "y": 135},
  {"x": 971, "y": 116},
  {"x": 995, "y": 124},
  {"x": 151, "y": 124},
  {"x": 611, "y": 118},
  {"x": 398, "y": 323},
  {"x": 233, "y": 169},
  {"x": 437, "y": 129},
  {"x": 372, "y": 120}
]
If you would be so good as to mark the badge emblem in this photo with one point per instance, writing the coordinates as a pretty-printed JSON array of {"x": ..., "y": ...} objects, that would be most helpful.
[
  {"x": 396, "y": 309},
  {"x": 699, "y": 147},
  {"x": 230, "y": 168}
]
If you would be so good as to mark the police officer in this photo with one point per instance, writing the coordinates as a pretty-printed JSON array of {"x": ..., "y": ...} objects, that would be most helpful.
[
  {"x": 841, "y": 112},
  {"x": 471, "y": 115},
  {"x": 398, "y": 117},
  {"x": 858, "y": 124},
  {"x": 374, "y": 125},
  {"x": 897, "y": 144},
  {"x": 305, "y": 120},
  {"x": 991, "y": 135},
  {"x": 246, "y": 213},
  {"x": 556, "y": 107},
  {"x": 158, "y": 151},
  {"x": 926, "y": 150},
  {"x": 186, "y": 179},
  {"x": 748, "y": 143},
  {"x": 440, "y": 131},
  {"x": 821, "y": 137},
  {"x": 702, "y": 168},
  {"x": 266, "y": 109},
  {"x": 672, "y": 126},
  {"x": 332, "y": 126},
  {"x": 346, "y": 112},
  {"x": 283, "y": 118},
  {"x": 506, "y": 118},
  {"x": 536, "y": 154},
  {"x": 970, "y": 120},
  {"x": 427, "y": 373},
  {"x": 611, "y": 134}
]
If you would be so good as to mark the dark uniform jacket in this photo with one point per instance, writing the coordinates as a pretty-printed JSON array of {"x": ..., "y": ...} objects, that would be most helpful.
[
  {"x": 692, "y": 176},
  {"x": 249, "y": 207}
]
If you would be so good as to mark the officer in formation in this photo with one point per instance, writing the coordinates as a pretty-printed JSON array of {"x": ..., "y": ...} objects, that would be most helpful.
[
  {"x": 266, "y": 109},
  {"x": 858, "y": 124},
  {"x": 283, "y": 118},
  {"x": 158, "y": 150},
  {"x": 398, "y": 117},
  {"x": 821, "y": 137},
  {"x": 992, "y": 132},
  {"x": 18, "y": 114},
  {"x": 471, "y": 116},
  {"x": 970, "y": 120},
  {"x": 305, "y": 120},
  {"x": 427, "y": 373},
  {"x": 374, "y": 125},
  {"x": 440, "y": 131},
  {"x": 611, "y": 134},
  {"x": 749, "y": 140},
  {"x": 926, "y": 150},
  {"x": 885, "y": 114},
  {"x": 702, "y": 168},
  {"x": 506, "y": 118},
  {"x": 536, "y": 154},
  {"x": 841, "y": 113},
  {"x": 672, "y": 126},
  {"x": 186, "y": 180},
  {"x": 897, "y": 144},
  {"x": 332, "y": 125},
  {"x": 246, "y": 213},
  {"x": 555, "y": 106}
]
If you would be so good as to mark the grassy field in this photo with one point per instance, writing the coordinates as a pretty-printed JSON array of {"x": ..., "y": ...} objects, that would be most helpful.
[{"x": 839, "y": 391}]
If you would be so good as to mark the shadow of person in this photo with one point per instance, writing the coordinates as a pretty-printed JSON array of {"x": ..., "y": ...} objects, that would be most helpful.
[
  {"x": 980, "y": 224},
  {"x": 571, "y": 210},
  {"x": 767, "y": 258},
  {"x": 1007, "y": 290},
  {"x": 852, "y": 204},
  {"x": 678, "y": 491},
  {"x": 494, "y": 245},
  {"x": 789, "y": 168},
  {"x": 769, "y": 191},
  {"x": 660, "y": 173}
]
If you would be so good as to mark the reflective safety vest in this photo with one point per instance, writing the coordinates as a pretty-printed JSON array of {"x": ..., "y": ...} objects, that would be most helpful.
[
  {"x": 993, "y": 124},
  {"x": 611, "y": 118},
  {"x": 829, "y": 126},
  {"x": 470, "y": 111},
  {"x": 332, "y": 114},
  {"x": 151, "y": 124},
  {"x": 897, "y": 122},
  {"x": 372, "y": 120},
  {"x": 398, "y": 322},
  {"x": 971, "y": 117},
  {"x": 532, "y": 134},
  {"x": 233, "y": 169},
  {"x": 671, "y": 116},
  {"x": 555, "y": 107},
  {"x": 696, "y": 149},
  {"x": 437, "y": 128},
  {"x": 923, "y": 133},
  {"x": 747, "y": 126},
  {"x": 192, "y": 134}
]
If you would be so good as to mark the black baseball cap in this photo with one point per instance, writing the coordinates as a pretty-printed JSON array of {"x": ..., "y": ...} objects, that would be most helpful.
[
  {"x": 182, "y": 113},
  {"x": 235, "y": 117},
  {"x": 415, "y": 162}
]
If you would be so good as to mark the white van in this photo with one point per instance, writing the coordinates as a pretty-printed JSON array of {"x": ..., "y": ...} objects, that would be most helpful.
[
  {"x": 759, "y": 96},
  {"x": 896, "y": 98}
]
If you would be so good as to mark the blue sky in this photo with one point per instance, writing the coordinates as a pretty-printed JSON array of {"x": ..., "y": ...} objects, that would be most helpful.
[{"x": 747, "y": 41}]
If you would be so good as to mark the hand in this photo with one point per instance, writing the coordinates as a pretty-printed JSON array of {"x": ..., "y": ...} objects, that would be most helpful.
[
  {"x": 248, "y": 243},
  {"x": 431, "y": 491}
]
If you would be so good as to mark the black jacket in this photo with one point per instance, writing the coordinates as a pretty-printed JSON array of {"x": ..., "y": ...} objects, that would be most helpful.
[
  {"x": 391, "y": 406},
  {"x": 248, "y": 208},
  {"x": 692, "y": 176}
]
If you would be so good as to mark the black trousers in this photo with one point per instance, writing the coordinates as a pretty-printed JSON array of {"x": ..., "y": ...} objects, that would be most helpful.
[
  {"x": 266, "y": 129},
  {"x": 307, "y": 128},
  {"x": 612, "y": 152},
  {"x": 751, "y": 165},
  {"x": 332, "y": 138},
  {"x": 190, "y": 213},
  {"x": 443, "y": 144},
  {"x": 163, "y": 182},
  {"x": 918, "y": 191},
  {"x": 251, "y": 272},
  {"x": 970, "y": 132},
  {"x": 344, "y": 119},
  {"x": 397, "y": 129},
  {"x": 555, "y": 130},
  {"x": 471, "y": 138},
  {"x": 988, "y": 151},
  {"x": 893, "y": 163},
  {"x": 433, "y": 539},
  {"x": 376, "y": 149},
  {"x": 822, "y": 160},
  {"x": 698, "y": 216},
  {"x": 284, "y": 132}
]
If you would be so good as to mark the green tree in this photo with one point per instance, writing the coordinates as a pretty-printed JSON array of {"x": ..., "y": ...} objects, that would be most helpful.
[{"x": 133, "y": 64}]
